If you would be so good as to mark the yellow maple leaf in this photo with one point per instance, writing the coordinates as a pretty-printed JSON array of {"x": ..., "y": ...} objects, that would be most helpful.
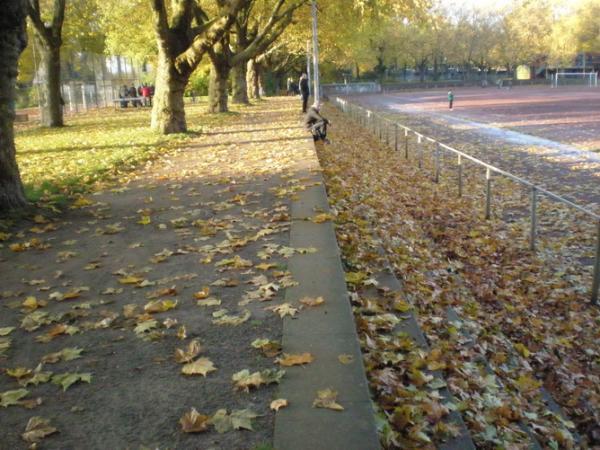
[{"x": 201, "y": 366}]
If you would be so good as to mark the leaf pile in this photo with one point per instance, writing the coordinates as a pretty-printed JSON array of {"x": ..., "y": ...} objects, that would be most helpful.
[{"x": 526, "y": 313}]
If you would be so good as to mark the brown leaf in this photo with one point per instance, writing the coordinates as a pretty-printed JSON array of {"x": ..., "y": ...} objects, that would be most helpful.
[
  {"x": 295, "y": 359},
  {"x": 194, "y": 422},
  {"x": 193, "y": 349}
]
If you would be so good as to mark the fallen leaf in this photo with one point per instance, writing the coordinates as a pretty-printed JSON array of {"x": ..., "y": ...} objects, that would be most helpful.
[
  {"x": 289, "y": 360},
  {"x": 194, "y": 422},
  {"x": 346, "y": 359},
  {"x": 268, "y": 347},
  {"x": 310, "y": 301},
  {"x": 37, "y": 428},
  {"x": 202, "y": 366},
  {"x": 6, "y": 331},
  {"x": 130, "y": 280},
  {"x": 68, "y": 379},
  {"x": 227, "y": 319},
  {"x": 202, "y": 294},
  {"x": 210, "y": 301},
  {"x": 10, "y": 398},
  {"x": 285, "y": 309},
  {"x": 326, "y": 398},
  {"x": 523, "y": 351},
  {"x": 157, "y": 306},
  {"x": 244, "y": 380},
  {"x": 193, "y": 349},
  {"x": 66, "y": 354},
  {"x": 323, "y": 217},
  {"x": 144, "y": 326},
  {"x": 276, "y": 405}
]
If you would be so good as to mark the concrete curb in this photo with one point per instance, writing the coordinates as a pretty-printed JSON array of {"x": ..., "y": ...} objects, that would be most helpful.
[{"x": 326, "y": 332}]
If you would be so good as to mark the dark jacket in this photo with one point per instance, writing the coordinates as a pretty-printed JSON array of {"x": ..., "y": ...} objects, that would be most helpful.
[
  {"x": 313, "y": 116},
  {"x": 304, "y": 86}
]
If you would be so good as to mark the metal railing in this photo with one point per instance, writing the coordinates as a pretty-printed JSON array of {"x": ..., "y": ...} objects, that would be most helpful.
[{"x": 377, "y": 123}]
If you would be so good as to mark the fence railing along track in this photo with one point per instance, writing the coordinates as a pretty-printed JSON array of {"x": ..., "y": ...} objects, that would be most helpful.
[{"x": 380, "y": 126}]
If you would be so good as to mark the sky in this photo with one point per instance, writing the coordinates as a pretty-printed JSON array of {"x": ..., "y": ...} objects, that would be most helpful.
[{"x": 473, "y": 4}]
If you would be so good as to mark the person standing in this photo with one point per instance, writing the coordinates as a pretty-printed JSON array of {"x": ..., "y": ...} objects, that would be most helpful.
[
  {"x": 450, "y": 99},
  {"x": 304, "y": 90}
]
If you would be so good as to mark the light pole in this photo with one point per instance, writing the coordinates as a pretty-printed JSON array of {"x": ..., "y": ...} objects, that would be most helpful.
[
  {"x": 316, "y": 92},
  {"x": 308, "y": 62}
]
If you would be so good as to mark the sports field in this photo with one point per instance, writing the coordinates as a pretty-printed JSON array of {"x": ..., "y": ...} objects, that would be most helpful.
[
  {"x": 569, "y": 115},
  {"x": 546, "y": 135}
]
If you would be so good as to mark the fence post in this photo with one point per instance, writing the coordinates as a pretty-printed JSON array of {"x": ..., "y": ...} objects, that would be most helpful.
[
  {"x": 460, "y": 176},
  {"x": 437, "y": 162},
  {"x": 84, "y": 100},
  {"x": 420, "y": 147},
  {"x": 395, "y": 136},
  {"x": 488, "y": 193},
  {"x": 406, "y": 143},
  {"x": 533, "y": 218},
  {"x": 387, "y": 132},
  {"x": 596, "y": 282}
]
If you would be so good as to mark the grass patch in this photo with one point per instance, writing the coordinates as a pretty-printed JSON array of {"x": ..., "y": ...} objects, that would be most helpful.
[{"x": 58, "y": 163}]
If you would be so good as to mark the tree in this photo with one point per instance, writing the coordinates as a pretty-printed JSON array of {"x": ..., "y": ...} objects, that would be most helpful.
[
  {"x": 250, "y": 36},
  {"x": 13, "y": 39},
  {"x": 49, "y": 37},
  {"x": 182, "y": 42}
]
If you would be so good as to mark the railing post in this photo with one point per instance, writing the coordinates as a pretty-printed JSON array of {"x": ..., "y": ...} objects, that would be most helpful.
[
  {"x": 460, "y": 176},
  {"x": 488, "y": 193},
  {"x": 395, "y": 136},
  {"x": 533, "y": 218},
  {"x": 387, "y": 133},
  {"x": 596, "y": 282},
  {"x": 420, "y": 149},
  {"x": 437, "y": 162},
  {"x": 406, "y": 143}
]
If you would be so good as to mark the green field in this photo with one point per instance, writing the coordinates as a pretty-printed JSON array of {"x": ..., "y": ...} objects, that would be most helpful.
[{"x": 56, "y": 163}]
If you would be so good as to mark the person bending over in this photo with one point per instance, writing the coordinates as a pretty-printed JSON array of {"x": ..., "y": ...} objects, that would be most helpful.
[{"x": 316, "y": 123}]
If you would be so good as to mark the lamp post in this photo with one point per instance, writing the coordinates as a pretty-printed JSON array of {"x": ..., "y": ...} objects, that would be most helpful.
[
  {"x": 308, "y": 62},
  {"x": 316, "y": 92}
]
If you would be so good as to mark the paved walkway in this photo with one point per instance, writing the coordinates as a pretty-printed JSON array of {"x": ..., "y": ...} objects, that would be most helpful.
[{"x": 216, "y": 235}]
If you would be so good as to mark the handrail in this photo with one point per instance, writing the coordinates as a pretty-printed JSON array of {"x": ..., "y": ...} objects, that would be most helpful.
[{"x": 535, "y": 189}]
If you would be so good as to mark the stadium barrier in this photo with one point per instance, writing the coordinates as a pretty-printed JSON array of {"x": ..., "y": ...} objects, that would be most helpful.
[
  {"x": 369, "y": 87},
  {"x": 495, "y": 82},
  {"x": 380, "y": 126}
]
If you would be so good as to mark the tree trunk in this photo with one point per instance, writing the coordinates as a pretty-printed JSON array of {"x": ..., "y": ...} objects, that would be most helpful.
[
  {"x": 52, "y": 101},
  {"x": 252, "y": 81},
  {"x": 217, "y": 87},
  {"x": 168, "y": 113},
  {"x": 261, "y": 82},
  {"x": 239, "y": 89},
  {"x": 12, "y": 42}
]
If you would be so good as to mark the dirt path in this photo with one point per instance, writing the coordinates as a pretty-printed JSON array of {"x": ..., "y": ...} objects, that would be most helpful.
[{"x": 208, "y": 221}]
